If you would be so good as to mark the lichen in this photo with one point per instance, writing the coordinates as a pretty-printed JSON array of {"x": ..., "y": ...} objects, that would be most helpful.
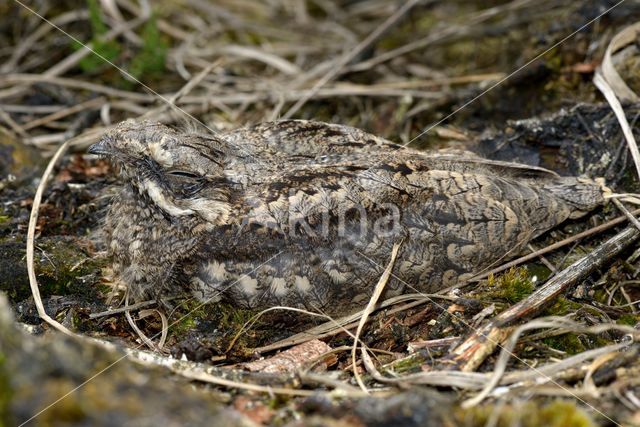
[{"x": 556, "y": 414}]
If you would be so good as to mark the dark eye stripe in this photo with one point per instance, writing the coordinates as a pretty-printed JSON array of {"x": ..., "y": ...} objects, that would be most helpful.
[
  {"x": 211, "y": 158},
  {"x": 202, "y": 149}
]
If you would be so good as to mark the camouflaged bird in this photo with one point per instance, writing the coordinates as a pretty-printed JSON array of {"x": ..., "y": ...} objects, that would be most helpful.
[{"x": 305, "y": 214}]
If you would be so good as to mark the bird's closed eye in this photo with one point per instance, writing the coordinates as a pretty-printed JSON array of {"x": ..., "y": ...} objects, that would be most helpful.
[
  {"x": 183, "y": 183},
  {"x": 183, "y": 174}
]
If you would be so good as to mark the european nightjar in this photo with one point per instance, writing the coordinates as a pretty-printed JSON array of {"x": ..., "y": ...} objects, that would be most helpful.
[{"x": 305, "y": 214}]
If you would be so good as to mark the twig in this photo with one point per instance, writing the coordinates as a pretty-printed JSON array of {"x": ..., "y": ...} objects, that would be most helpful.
[
  {"x": 270, "y": 59},
  {"x": 382, "y": 282},
  {"x": 135, "y": 327},
  {"x": 544, "y": 260},
  {"x": 33, "y": 220},
  {"x": 549, "y": 322},
  {"x": 482, "y": 342},
  {"x": 12, "y": 124},
  {"x": 131, "y": 307},
  {"x": 14, "y": 79},
  {"x": 83, "y": 106},
  {"x": 188, "y": 87},
  {"x": 446, "y": 34},
  {"x": 626, "y": 212},
  {"x": 337, "y": 326},
  {"x": 224, "y": 378},
  {"x": 478, "y": 381},
  {"x": 335, "y": 70},
  {"x": 625, "y": 37},
  {"x": 26, "y": 44}
]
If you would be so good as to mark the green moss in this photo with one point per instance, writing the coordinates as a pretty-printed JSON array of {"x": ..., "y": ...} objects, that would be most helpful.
[
  {"x": 511, "y": 286},
  {"x": 194, "y": 311},
  {"x": 62, "y": 268},
  {"x": 69, "y": 410},
  {"x": 60, "y": 263},
  {"x": 104, "y": 50},
  {"x": 553, "y": 60},
  {"x": 561, "y": 307},
  {"x": 149, "y": 62},
  {"x": 4, "y": 219},
  {"x": 600, "y": 295},
  {"x": 408, "y": 364},
  {"x": 184, "y": 325},
  {"x": 5, "y": 393},
  {"x": 278, "y": 401},
  {"x": 628, "y": 319},
  {"x": 225, "y": 316},
  {"x": 483, "y": 54},
  {"x": 568, "y": 343},
  {"x": 557, "y": 414},
  {"x": 538, "y": 270}
]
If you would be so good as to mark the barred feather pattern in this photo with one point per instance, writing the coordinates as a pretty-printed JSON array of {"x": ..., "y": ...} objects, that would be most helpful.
[{"x": 304, "y": 213}]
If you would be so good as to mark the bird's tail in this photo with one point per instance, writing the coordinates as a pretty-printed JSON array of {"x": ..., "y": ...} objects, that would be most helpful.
[{"x": 582, "y": 195}]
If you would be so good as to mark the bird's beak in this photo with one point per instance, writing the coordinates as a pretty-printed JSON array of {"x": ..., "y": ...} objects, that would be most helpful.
[{"x": 100, "y": 148}]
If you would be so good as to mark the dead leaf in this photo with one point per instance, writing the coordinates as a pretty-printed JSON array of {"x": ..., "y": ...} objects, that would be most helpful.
[
  {"x": 609, "y": 72},
  {"x": 291, "y": 359},
  {"x": 456, "y": 308},
  {"x": 257, "y": 411}
]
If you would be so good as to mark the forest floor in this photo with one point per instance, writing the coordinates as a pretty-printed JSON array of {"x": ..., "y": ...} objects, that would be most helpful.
[{"x": 431, "y": 74}]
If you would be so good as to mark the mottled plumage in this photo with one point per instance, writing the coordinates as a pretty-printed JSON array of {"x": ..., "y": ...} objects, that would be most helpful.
[{"x": 305, "y": 213}]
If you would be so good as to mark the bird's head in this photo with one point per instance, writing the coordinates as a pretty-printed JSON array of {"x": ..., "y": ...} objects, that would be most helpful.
[{"x": 179, "y": 173}]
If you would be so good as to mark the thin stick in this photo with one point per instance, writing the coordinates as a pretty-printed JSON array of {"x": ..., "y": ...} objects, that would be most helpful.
[
  {"x": 337, "y": 326},
  {"x": 483, "y": 341},
  {"x": 545, "y": 261},
  {"x": 188, "y": 87},
  {"x": 87, "y": 105},
  {"x": 549, "y": 322},
  {"x": 145, "y": 339},
  {"x": 334, "y": 71},
  {"x": 626, "y": 212},
  {"x": 12, "y": 124},
  {"x": 384, "y": 278},
  {"x": 12, "y": 80},
  {"x": 449, "y": 33},
  {"x": 131, "y": 307},
  {"x": 33, "y": 220},
  {"x": 20, "y": 50}
]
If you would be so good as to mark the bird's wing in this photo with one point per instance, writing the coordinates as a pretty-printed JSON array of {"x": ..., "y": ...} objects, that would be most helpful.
[{"x": 309, "y": 138}]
